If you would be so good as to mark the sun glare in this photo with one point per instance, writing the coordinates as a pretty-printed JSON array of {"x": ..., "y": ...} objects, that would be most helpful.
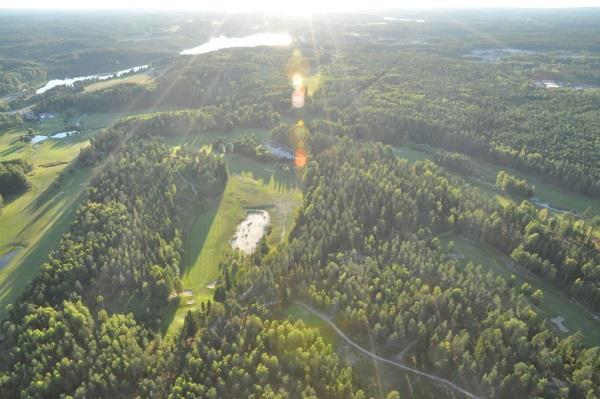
[{"x": 289, "y": 8}]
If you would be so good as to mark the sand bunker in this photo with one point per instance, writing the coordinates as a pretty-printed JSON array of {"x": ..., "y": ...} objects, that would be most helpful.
[
  {"x": 38, "y": 138},
  {"x": 250, "y": 231},
  {"x": 62, "y": 135},
  {"x": 558, "y": 322},
  {"x": 184, "y": 293},
  {"x": 8, "y": 256}
]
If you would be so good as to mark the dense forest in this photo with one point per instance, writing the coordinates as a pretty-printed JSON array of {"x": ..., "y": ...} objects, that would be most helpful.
[
  {"x": 16, "y": 75},
  {"x": 126, "y": 241},
  {"x": 493, "y": 111},
  {"x": 367, "y": 246},
  {"x": 364, "y": 244}
]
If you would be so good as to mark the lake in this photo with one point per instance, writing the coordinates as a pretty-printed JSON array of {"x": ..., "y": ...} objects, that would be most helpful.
[
  {"x": 223, "y": 42},
  {"x": 70, "y": 81}
]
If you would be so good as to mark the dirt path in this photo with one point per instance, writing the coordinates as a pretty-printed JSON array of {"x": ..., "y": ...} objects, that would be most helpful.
[
  {"x": 188, "y": 182},
  {"x": 439, "y": 380}
]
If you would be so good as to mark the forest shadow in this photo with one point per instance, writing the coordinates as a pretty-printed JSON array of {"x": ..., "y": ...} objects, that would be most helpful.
[
  {"x": 16, "y": 279},
  {"x": 198, "y": 232},
  {"x": 46, "y": 198},
  {"x": 53, "y": 194},
  {"x": 69, "y": 141},
  {"x": 281, "y": 174},
  {"x": 168, "y": 315},
  {"x": 13, "y": 147},
  {"x": 14, "y": 196}
]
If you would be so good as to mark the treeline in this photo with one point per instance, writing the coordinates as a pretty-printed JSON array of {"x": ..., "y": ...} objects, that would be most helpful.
[
  {"x": 457, "y": 162},
  {"x": 245, "y": 144},
  {"x": 560, "y": 249},
  {"x": 13, "y": 176},
  {"x": 224, "y": 351},
  {"x": 126, "y": 238},
  {"x": 243, "y": 77},
  {"x": 8, "y": 121},
  {"x": 235, "y": 80},
  {"x": 16, "y": 76},
  {"x": 179, "y": 123},
  {"x": 364, "y": 247},
  {"x": 220, "y": 352},
  {"x": 119, "y": 98}
]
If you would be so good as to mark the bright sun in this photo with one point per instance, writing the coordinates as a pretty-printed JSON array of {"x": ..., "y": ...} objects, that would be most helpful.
[{"x": 286, "y": 7}]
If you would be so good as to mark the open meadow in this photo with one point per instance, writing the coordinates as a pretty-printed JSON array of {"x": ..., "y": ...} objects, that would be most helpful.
[{"x": 32, "y": 223}]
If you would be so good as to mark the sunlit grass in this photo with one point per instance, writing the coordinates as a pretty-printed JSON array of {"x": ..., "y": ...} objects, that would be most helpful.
[
  {"x": 35, "y": 220},
  {"x": 251, "y": 185},
  {"x": 142, "y": 79}
]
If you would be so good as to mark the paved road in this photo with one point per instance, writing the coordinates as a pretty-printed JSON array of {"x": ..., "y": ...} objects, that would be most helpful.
[{"x": 439, "y": 380}]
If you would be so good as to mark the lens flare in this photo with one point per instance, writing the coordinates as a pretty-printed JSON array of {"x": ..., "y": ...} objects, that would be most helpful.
[
  {"x": 298, "y": 98},
  {"x": 297, "y": 81},
  {"x": 298, "y": 135},
  {"x": 300, "y": 159}
]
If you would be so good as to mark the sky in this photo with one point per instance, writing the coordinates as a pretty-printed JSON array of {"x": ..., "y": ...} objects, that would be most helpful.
[{"x": 291, "y": 7}]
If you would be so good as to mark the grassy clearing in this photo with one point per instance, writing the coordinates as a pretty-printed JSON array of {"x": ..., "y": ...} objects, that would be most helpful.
[
  {"x": 142, "y": 79},
  {"x": 205, "y": 139},
  {"x": 556, "y": 196},
  {"x": 296, "y": 312},
  {"x": 251, "y": 186},
  {"x": 313, "y": 83},
  {"x": 412, "y": 154},
  {"x": 36, "y": 219},
  {"x": 376, "y": 377},
  {"x": 554, "y": 303},
  {"x": 90, "y": 122}
]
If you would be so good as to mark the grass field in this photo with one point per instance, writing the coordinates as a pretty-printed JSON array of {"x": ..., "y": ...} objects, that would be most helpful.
[
  {"x": 554, "y": 303},
  {"x": 34, "y": 221},
  {"x": 251, "y": 185},
  {"x": 556, "y": 196},
  {"x": 142, "y": 79},
  {"x": 412, "y": 154},
  {"x": 378, "y": 378},
  {"x": 207, "y": 138}
]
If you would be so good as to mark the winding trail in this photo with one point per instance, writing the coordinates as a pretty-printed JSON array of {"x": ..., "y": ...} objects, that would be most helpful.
[
  {"x": 188, "y": 182},
  {"x": 434, "y": 378}
]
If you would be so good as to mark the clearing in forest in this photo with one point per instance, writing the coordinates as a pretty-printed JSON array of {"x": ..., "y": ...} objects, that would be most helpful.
[
  {"x": 548, "y": 195},
  {"x": 555, "y": 304},
  {"x": 208, "y": 242},
  {"x": 142, "y": 79},
  {"x": 36, "y": 219}
]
